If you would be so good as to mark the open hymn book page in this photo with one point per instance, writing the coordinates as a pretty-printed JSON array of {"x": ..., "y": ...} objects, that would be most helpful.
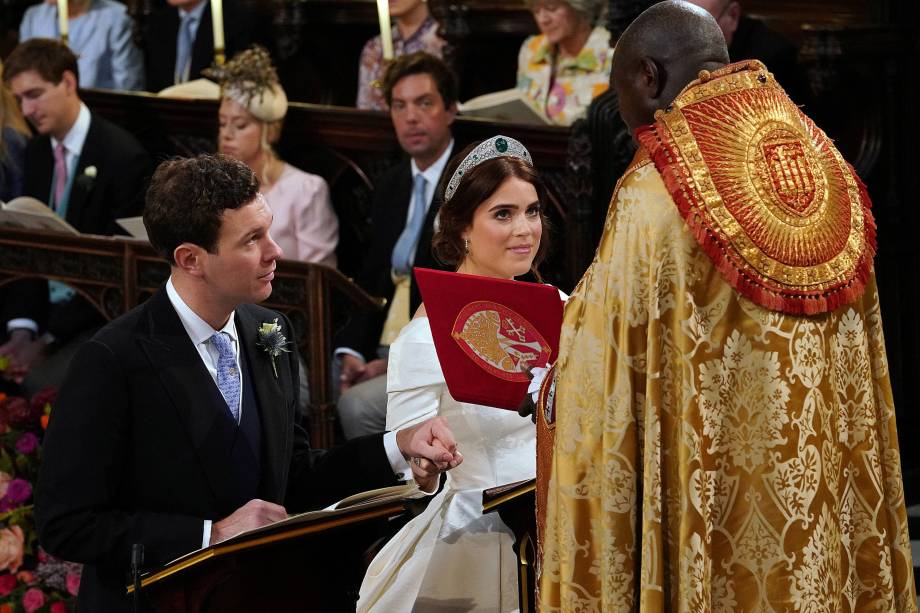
[
  {"x": 509, "y": 105},
  {"x": 25, "y": 213},
  {"x": 355, "y": 501}
]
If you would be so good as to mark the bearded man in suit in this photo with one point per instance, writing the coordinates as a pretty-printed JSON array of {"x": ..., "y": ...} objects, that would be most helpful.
[
  {"x": 90, "y": 172},
  {"x": 174, "y": 428}
]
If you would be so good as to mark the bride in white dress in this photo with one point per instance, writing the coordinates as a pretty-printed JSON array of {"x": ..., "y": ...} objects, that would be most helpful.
[{"x": 452, "y": 557}]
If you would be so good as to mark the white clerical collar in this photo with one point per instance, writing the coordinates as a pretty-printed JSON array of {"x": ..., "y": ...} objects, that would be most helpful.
[{"x": 197, "y": 329}]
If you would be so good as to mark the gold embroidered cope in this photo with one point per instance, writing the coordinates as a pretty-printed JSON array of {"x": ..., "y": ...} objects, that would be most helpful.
[{"x": 711, "y": 454}]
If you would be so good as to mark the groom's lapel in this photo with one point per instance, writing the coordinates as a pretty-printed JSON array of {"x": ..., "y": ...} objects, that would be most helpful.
[
  {"x": 191, "y": 390},
  {"x": 270, "y": 394}
]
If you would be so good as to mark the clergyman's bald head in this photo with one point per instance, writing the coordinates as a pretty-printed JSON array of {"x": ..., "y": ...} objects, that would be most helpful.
[{"x": 660, "y": 53}]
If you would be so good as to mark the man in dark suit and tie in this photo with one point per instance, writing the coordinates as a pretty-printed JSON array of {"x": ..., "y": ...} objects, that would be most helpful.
[
  {"x": 89, "y": 171},
  {"x": 178, "y": 423},
  {"x": 421, "y": 92},
  {"x": 179, "y": 39}
]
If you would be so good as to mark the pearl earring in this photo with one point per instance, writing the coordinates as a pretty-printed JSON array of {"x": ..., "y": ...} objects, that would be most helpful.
[{"x": 466, "y": 246}]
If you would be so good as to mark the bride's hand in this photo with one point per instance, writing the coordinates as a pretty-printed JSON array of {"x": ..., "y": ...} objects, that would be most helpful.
[
  {"x": 430, "y": 440},
  {"x": 426, "y": 474}
]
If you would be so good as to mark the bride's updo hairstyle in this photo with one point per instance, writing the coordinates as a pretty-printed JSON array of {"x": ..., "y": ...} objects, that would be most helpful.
[{"x": 477, "y": 185}]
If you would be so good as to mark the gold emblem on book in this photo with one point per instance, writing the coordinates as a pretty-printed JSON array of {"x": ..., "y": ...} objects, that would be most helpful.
[{"x": 499, "y": 340}]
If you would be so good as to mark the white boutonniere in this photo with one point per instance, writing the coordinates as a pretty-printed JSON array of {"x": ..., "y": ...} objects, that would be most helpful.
[
  {"x": 90, "y": 171},
  {"x": 273, "y": 342}
]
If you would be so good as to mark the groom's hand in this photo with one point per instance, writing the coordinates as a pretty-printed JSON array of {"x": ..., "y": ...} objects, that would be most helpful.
[
  {"x": 430, "y": 440},
  {"x": 254, "y": 514}
]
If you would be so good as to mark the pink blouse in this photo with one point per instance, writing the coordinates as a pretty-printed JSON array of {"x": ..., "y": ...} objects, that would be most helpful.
[{"x": 305, "y": 226}]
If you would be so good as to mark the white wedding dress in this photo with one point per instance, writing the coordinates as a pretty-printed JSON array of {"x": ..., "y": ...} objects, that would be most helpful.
[{"x": 451, "y": 557}]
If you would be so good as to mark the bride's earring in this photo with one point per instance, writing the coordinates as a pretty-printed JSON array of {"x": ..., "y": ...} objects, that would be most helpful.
[{"x": 466, "y": 246}]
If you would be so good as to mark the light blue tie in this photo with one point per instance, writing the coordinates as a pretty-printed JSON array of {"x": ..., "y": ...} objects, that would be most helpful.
[
  {"x": 228, "y": 376},
  {"x": 405, "y": 246},
  {"x": 183, "y": 50}
]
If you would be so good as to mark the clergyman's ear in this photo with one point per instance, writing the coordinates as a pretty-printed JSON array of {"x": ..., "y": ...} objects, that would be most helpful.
[{"x": 651, "y": 77}]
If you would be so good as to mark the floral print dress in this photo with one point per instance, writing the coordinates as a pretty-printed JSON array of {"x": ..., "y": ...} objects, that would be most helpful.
[{"x": 564, "y": 92}]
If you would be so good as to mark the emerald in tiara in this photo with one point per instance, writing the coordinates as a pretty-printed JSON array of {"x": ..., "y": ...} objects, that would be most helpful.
[{"x": 497, "y": 146}]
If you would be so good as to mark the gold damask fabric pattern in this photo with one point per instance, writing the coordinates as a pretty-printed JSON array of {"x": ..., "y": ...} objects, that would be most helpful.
[{"x": 712, "y": 455}]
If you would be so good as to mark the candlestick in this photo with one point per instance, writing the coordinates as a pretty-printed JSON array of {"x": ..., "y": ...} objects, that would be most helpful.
[
  {"x": 217, "y": 21},
  {"x": 63, "y": 24},
  {"x": 386, "y": 34}
]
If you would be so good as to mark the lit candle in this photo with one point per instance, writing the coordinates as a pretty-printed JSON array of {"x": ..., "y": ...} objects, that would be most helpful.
[
  {"x": 386, "y": 35},
  {"x": 62, "y": 19},
  {"x": 217, "y": 21}
]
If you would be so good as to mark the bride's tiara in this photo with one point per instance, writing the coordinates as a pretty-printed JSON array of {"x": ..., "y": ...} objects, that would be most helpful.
[{"x": 495, "y": 147}]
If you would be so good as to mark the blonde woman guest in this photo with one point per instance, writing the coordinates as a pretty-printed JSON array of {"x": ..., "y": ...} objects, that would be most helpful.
[
  {"x": 101, "y": 34},
  {"x": 562, "y": 69},
  {"x": 252, "y": 108},
  {"x": 414, "y": 30},
  {"x": 15, "y": 134},
  {"x": 452, "y": 557}
]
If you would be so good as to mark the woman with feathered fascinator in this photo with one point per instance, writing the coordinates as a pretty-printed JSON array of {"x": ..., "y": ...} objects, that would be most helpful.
[{"x": 252, "y": 108}]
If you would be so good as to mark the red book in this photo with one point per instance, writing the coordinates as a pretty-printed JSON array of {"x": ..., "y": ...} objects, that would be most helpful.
[{"x": 484, "y": 328}]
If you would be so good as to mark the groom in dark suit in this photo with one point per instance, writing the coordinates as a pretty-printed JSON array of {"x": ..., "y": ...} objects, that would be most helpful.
[
  {"x": 177, "y": 425},
  {"x": 88, "y": 170}
]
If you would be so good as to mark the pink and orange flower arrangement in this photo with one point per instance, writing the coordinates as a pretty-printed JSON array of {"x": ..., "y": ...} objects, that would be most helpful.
[{"x": 31, "y": 581}]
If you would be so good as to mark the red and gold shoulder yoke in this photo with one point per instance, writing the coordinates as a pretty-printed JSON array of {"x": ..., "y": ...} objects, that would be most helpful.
[{"x": 769, "y": 198}]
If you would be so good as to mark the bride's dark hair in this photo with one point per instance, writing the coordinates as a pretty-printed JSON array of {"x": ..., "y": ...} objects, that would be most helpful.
[{"x": 477, "y": 186}]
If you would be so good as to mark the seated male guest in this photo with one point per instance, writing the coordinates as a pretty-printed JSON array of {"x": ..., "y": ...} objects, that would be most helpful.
[
  {"x": 101, "y": 34},
  {"x": 175, "y": 427},
  {"x": 749, "y": 38},
  {"x": 421, "y": 92},
  {"x": 89, "y": 171},
  {"x": 179, "y": 39}
]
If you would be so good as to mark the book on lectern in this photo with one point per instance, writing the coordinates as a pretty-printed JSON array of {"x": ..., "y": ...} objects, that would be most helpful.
[{"x": 487, "y": 330}]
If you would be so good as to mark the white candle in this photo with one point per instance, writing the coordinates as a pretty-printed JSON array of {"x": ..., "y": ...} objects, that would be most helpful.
[
  {"x": 62, "y": 19},
  {"x": 217, "y": 21},
  {"x": 386, "y": 35}
]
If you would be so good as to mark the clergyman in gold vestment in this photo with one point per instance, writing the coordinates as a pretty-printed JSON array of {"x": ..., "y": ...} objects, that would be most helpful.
[{"x": 724, "y": 428}]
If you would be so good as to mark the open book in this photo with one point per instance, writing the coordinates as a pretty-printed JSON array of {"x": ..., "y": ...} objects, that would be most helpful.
[
  {"x": 509, "y": 105},
  {"x": 384, "y": 494},
  {"x": 354, "y": 502},
  {"x": 380, "y": 503},
  {"x": 134, "y": 226},
  {"x": 25, "y": 213}
]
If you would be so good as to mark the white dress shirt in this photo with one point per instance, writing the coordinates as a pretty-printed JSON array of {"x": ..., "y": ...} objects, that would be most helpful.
[
  {"x": 74, "y": 140},
  {"x": 199, "y": 331}
]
